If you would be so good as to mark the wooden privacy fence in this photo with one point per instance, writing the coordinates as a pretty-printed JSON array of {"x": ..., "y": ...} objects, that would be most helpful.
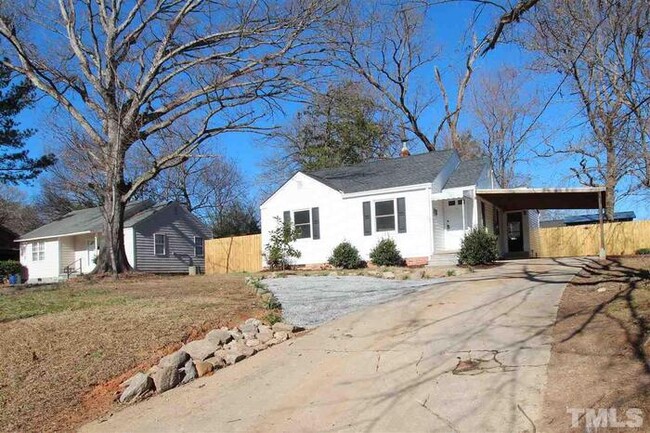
[
  {"x": 234, "y": 254},
  {"x": 622, "y": 238}
]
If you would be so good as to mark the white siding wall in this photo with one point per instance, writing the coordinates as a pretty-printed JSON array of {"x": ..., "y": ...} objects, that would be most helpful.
[
  {"x": 438, "y": 226},
  {"x": 66, "y": 252},
  {"x": 47, "y": 270},
  {"x": 341, "y": 218},
  {"x": 129, "y": 246}
]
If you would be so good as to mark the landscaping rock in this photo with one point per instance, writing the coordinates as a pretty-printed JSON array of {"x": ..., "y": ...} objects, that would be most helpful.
[
  {"x": 176, "y": 359},
  {"x": 234, "y": 356},
  {"x": 201, "y": 349},
  {"x": 281, "y": 336},
  {"x": 264, "y": 328},
  {"x": 264, "y": 337},
  {"x": 139, "y": 385},
  {"x": 250, "y": 335},
  {"x": 236, "y": 335},
  {"x": 388, "y": 275},
  {"x": 219, "y": 336},
  {"x": 272, "y": 342},
  {"x": 166, "y": 378},
  {"x": 248, "y": 328},
  {"x": 203, "y": 367},
  {"x": 253, "y": 343},
  {"x": 189, "y": 372},
  {"x": 284, "y": 327},
  {"x": 218, "y": 360},
  {"x": 254, "y": 322}
]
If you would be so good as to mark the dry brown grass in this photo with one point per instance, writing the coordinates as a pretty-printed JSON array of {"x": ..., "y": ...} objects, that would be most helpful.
[
  {"x": 601, "y": 345},
  {"x": 59, "y": 369}
]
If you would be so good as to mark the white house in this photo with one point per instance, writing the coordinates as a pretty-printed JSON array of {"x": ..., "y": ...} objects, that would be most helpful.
[
  {"x": 425, "y": 202},
  {"x": 163, "y": 238}
]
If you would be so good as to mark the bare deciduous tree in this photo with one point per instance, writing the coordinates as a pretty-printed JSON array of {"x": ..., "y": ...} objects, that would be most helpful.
[
  {"x": 128, "y": 71},
  {"x": 601, "y": 48},
  {"x": 386, "y": 45},
  {"x": 502, "y": 110}
]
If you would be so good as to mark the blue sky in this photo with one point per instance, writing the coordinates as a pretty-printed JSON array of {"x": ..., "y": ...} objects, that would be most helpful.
[{"x": 448, "y": 25}]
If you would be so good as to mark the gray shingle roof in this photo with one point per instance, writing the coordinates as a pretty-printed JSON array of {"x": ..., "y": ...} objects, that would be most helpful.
[
  {"x": 467, "y": 173},
  {"x": 384, "y": 173},
  {"x": 90, "y": 220}
]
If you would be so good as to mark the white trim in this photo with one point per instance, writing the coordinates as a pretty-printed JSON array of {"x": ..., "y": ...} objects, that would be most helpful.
[
  {"x": 202, "y": 246},
  {"x": 540, "y": 190},
  {"x": 387, "y": 190},
  {"x": 311, "y": 228},
  {"x": 373, "y": 212},
  {"x": 164, "y": 253},
  {"x": 54, "y": 236}
]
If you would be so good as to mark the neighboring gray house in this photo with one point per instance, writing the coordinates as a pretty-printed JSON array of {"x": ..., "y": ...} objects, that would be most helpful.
[{"x": 162, "y": 238}]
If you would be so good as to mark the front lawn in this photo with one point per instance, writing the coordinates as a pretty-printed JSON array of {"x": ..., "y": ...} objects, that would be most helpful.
[{"x": 66, "y": 348}]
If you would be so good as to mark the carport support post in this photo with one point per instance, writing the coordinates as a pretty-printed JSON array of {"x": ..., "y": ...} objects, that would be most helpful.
[{"x": 602, "y": 254}]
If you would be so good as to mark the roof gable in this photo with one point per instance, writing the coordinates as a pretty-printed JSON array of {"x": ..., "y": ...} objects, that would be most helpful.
[
  {"x": 467, "y": 173},
  {"x": 384, "y": 173},
  {"x": 85, "y": 220}
]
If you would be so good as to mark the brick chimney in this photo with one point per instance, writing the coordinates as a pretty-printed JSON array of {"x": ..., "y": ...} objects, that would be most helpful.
[{"x": 405, "y": 150}]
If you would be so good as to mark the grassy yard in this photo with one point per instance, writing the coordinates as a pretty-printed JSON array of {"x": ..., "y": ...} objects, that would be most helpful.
[
  {"x": 66, "y": 348},
  {"x": 600, "y": 356}
]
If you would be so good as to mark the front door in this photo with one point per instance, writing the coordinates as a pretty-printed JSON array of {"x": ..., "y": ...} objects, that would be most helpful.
[
  {"x": 90, "y": 254},
  {"x": 453, "y": 224},
  {"x": 515, "y": 232}
]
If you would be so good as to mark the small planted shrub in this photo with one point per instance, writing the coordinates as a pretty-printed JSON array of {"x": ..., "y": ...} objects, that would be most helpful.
[
  {"x": 386, "y": 253},
  {"x": 478, "y": 247},
  {"x": 345, "y": 256},
  {"x": 10, "y": 267},
  {"x": 279, "y": 251},
  {"x": 643, "y": 251}
]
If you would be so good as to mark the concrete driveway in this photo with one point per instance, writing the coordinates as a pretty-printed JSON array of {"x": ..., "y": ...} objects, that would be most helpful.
[{"x": 468, "y": 355}]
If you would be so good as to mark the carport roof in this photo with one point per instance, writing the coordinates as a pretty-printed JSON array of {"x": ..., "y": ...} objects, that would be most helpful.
[{"x": 543, "y": 198}]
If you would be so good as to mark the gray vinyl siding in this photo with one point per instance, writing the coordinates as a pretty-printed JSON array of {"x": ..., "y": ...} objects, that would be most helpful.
[{"x": 180, "y": 227}]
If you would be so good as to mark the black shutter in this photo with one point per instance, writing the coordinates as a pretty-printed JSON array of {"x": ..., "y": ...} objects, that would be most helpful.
[
  {"x": 401, "y": 215},
  {"x": 367, "y": 222},
  {"x": 287, "y": 216},
  {"x": 315, "y": 223}
]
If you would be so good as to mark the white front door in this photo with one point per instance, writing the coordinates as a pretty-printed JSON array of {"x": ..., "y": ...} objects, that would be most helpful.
[{"x": 453, "y": 224}]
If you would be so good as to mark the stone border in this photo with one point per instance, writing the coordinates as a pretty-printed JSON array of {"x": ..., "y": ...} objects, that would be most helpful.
[
  {"x": 396, "y": 273},
  {"x": 218, "y": 349}
]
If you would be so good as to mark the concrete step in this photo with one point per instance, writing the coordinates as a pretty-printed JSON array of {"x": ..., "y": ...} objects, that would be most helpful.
[{"x": 444, "y": 259}]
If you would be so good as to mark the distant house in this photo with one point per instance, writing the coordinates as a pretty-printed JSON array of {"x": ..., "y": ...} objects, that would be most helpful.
[
  {"x": 8, "y": 246},
  {"x": 577, "y": 220},
  {"x": 162, "y": 238}
]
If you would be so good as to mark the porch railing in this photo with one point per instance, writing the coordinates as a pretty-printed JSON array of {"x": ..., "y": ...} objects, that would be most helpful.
[{"x": 72, "y": 268}]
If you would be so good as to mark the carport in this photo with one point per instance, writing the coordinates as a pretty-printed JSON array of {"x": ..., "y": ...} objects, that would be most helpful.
[{"x": 521, "y": 199}]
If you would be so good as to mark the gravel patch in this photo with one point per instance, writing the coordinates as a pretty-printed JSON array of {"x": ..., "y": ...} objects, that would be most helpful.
[{"x": 311, "y": 301}]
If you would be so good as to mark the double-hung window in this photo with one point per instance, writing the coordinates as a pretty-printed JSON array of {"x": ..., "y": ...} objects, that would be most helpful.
[
  {"x": 302, "y": 222},
  {"x": 198, "y": 246},
  {"x": 385, "y": 215},
  {"x": 38, "y": 251},
  {"x": 160, "y": 244}
]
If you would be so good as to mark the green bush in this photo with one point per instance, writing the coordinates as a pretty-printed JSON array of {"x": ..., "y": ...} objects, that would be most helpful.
[
  {"x": 478, "y": 247},
  {"x": 386, "y": 253},
  {"x": 279, "y": 251},
  {"x": 345, "y": 256},
  {"x": 9, "y": 267},
  {"x": 641, "y": 251}
]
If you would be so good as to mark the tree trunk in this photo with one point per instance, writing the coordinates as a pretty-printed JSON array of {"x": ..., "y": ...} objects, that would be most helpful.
[
  {"x": 112, "y": 255},
  {"x": 610, "y": 183}
]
